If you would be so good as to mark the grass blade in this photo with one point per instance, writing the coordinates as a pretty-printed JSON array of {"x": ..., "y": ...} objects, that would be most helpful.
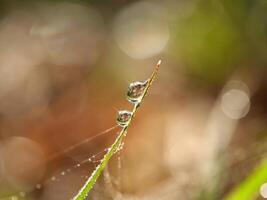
[
  {"x": 83, "y": 193},
  {"x": 250, "y": 187}
]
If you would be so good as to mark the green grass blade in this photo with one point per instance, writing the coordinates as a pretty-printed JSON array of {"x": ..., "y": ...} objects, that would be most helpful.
[
  {"x": 83, "y": 193},
  {"x": 250, "y": 187}
]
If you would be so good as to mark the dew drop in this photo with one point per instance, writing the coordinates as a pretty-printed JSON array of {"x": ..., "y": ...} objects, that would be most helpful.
[
  {"x": 135, "y": 91},
  {"x": 53, "y": 178},
  {"x": 121, "y": 146},
  {"x": 63, "y": 173},
  {"x": 123, "y": 117}
]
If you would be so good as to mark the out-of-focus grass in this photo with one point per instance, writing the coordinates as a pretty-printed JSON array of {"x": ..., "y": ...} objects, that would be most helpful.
[
  {"x": 249, "y": 188},
  {"x": 209, "y": 44}
]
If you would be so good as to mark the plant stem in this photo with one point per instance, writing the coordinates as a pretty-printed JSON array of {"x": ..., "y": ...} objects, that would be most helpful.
[{"x": 83, "y": 193}]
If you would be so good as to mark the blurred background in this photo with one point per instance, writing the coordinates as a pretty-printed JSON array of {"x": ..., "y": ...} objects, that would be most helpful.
[{"x": 64, "y": 71}]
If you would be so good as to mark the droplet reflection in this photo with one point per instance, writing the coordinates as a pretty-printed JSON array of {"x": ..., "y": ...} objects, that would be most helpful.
[
  {"x": 124, "y": 117},
  {"x": 135, "y": 91}
]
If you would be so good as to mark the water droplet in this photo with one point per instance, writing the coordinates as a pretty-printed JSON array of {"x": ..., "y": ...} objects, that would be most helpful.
[
  {"x": 78, "y": 165},
  {"x": 63, "y": 173},
  {"x": 53, "y": 178},
  {"x": 121, "y": 146},
  {"x": 135, "y": 91},
  {"x": 124, "y": 117}
]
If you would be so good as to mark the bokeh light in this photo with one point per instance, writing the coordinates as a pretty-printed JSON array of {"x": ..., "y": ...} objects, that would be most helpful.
[
  {"x": 235, "y": 103},
  {"x": 263, "y": 190},
  {"x": 62, "y": 27},
  {"x": 141, "y": 31},
  {"x": 24, "y": 170}
]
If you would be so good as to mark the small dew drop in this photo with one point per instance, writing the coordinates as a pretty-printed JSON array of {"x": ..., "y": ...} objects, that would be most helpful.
[
  {"x": 53, "y": 178},
  {"x": 123, "y": 117},
  {"x": 135, "y": 91},
  {"x": 121, "y": 146},
  {"x": 63, "y": 173},
  {"x": 78, "y": 165}
]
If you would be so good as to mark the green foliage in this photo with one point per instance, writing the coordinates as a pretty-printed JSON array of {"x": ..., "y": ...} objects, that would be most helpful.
[
  {"x": 250, "y": 187},
  {"x": 208, "y": 43}
]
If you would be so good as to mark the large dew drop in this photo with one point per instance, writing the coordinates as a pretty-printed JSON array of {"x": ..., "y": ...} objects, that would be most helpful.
[
  {"x": 124, "y": 117},
  {"x": 135, "y": 91}
]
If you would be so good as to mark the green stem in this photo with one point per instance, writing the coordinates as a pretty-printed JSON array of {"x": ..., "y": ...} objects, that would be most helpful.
[{"x": 83, "y": 193}]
